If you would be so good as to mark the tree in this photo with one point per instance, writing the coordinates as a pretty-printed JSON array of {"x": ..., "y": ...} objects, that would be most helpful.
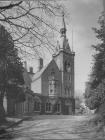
[
  {"x": 11, "y": 69},
  {"x": 98, "y": 73},
  {"x": 95, "y": 91},
  {"x": 30, "y": 24}
]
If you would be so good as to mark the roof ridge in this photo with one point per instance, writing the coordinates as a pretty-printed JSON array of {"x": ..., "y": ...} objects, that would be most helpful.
[{"x": 39, "y": 73}]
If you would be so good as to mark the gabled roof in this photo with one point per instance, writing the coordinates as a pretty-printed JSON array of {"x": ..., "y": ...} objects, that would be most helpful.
[
  {"x": 39, "y": 73},
  {"x": 26, "y": 76}
]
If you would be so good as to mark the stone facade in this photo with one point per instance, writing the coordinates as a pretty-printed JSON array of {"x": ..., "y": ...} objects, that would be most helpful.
[{"x": 53, "y": 85}]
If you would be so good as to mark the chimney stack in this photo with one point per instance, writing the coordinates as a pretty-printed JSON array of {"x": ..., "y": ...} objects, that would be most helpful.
[
  {"x": 25, "y": 65},
  {"x": 31, "y": 70},
  {"x": 40, "y": 64}
]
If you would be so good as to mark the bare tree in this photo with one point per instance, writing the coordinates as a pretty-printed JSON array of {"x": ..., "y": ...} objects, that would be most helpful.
[{"x": 29, "y": 23}]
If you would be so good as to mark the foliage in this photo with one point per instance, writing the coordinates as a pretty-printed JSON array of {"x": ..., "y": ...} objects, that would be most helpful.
[
  {"x": 95, "y": 97},
  {"x": 98, "y": 73},
  {"x": 95, "y": 90},
  {"x": 11, "y": 69}
]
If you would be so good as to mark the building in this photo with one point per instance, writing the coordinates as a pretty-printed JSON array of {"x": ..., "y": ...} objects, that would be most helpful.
[{"x": 53, "y": 85}]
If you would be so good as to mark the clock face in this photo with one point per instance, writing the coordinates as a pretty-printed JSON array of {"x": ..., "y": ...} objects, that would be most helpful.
[{"x": 68, "y": 67}]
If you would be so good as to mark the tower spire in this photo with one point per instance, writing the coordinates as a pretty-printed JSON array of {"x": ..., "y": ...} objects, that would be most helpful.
[
  {"x": 63, "y": 29},
  {"x": 63, "y": 21}
]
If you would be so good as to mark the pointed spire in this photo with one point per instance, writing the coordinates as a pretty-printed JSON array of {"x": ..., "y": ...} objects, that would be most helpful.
[
  {"x": 63, "y": 21},
  {"x": 63, "y": 29}
]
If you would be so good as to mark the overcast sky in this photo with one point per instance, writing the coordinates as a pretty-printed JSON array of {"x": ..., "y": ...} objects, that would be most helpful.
[{"x": 83, "y": 16}]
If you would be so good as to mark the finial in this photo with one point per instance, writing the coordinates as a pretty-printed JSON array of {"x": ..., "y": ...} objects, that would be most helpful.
[
  {"x": 63, "y": 28},
  {"x": 63, "y": 20}
]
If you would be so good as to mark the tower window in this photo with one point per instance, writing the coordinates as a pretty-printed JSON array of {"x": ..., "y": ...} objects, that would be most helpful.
[
  {"x": 66, "y": 91},
  {"x": 69, "y": 77},
  {"x": 67, "y": 67},
  {"x": 70, "y": 93}
]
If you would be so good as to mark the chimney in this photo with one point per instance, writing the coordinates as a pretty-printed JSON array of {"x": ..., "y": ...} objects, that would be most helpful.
[
  {"x": 25, "y": 65},
  {"x": 31, "y": 70},
  {"x": 40, "y": 64}
]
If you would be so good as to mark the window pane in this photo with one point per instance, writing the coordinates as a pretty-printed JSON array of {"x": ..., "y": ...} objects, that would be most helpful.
[{"x": 37, "y": 106}]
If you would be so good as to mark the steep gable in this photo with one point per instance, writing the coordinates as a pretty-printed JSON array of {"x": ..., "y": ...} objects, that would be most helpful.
[
  {"x": 47, "y": 76},
  {"x": 39, "y": 73},
  {"x": 52, "y": 64}
]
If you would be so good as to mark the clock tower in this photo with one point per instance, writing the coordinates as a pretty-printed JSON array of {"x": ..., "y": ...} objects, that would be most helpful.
[{"x": 64, "y": 58}]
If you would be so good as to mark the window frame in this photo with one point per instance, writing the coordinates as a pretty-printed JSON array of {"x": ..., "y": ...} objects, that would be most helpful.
[
  {"x": 58, "y": 110},
  {"x": 47, "y": 108},
  {"x": 38, "y": 103}
]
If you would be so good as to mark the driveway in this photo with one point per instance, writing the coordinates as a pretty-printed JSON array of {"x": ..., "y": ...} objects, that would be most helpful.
[{"x": 56, "y": 127}]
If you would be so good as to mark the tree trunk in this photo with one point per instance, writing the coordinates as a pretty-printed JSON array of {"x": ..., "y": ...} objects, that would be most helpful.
[{"x": 2, "y": 111}]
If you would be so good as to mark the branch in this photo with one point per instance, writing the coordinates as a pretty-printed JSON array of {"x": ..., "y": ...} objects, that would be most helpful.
[
  {"x": 10, "y": 6},
  {"x": 22, "y": 36},
  {"x": 41, "y": 20}
]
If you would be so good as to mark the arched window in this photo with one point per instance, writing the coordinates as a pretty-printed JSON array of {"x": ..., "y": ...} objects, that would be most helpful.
[
  {"x": 66, "y": 91},
  {"x": 37, "y": 104},
  {"x": 58, "y": 107},
  {"x": 67, "y": 66},
  {"x": 48, "y": 107},
  {"x": 30, "y": 101},
  {"x": 52, "y": 84}
]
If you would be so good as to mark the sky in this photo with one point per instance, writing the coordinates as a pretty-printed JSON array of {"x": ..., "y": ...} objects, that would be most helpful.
[{"x": 83, "y": 15}]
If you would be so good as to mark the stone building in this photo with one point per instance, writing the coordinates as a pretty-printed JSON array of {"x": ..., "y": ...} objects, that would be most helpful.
[{"x": 53, "y": 85}]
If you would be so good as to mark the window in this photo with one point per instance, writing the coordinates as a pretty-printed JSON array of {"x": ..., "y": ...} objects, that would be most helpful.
[
  {"x": 70, "y": 93},
  {"x": 30, "y": 99},
  {"x": 29, "y": 103},
  {"x": 66, "y": 91},
  {"x": 52, "y": 74},
  {"x": 37, "y": 105},
  {"x": 67, "y": 66},
  {"x": 70, "y": 78},
  {"x": 51, "y": 91},
  {"x": 52, "y": 84},
  {"x": 58, "y": 107},
  {"x": 48, "y": 107}
]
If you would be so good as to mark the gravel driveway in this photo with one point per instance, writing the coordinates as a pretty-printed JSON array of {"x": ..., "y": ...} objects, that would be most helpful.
[{"x": 57, "y": 127}]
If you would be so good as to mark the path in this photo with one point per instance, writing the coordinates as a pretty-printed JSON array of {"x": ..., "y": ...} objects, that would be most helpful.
[{"x": 56, "y": 127}]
